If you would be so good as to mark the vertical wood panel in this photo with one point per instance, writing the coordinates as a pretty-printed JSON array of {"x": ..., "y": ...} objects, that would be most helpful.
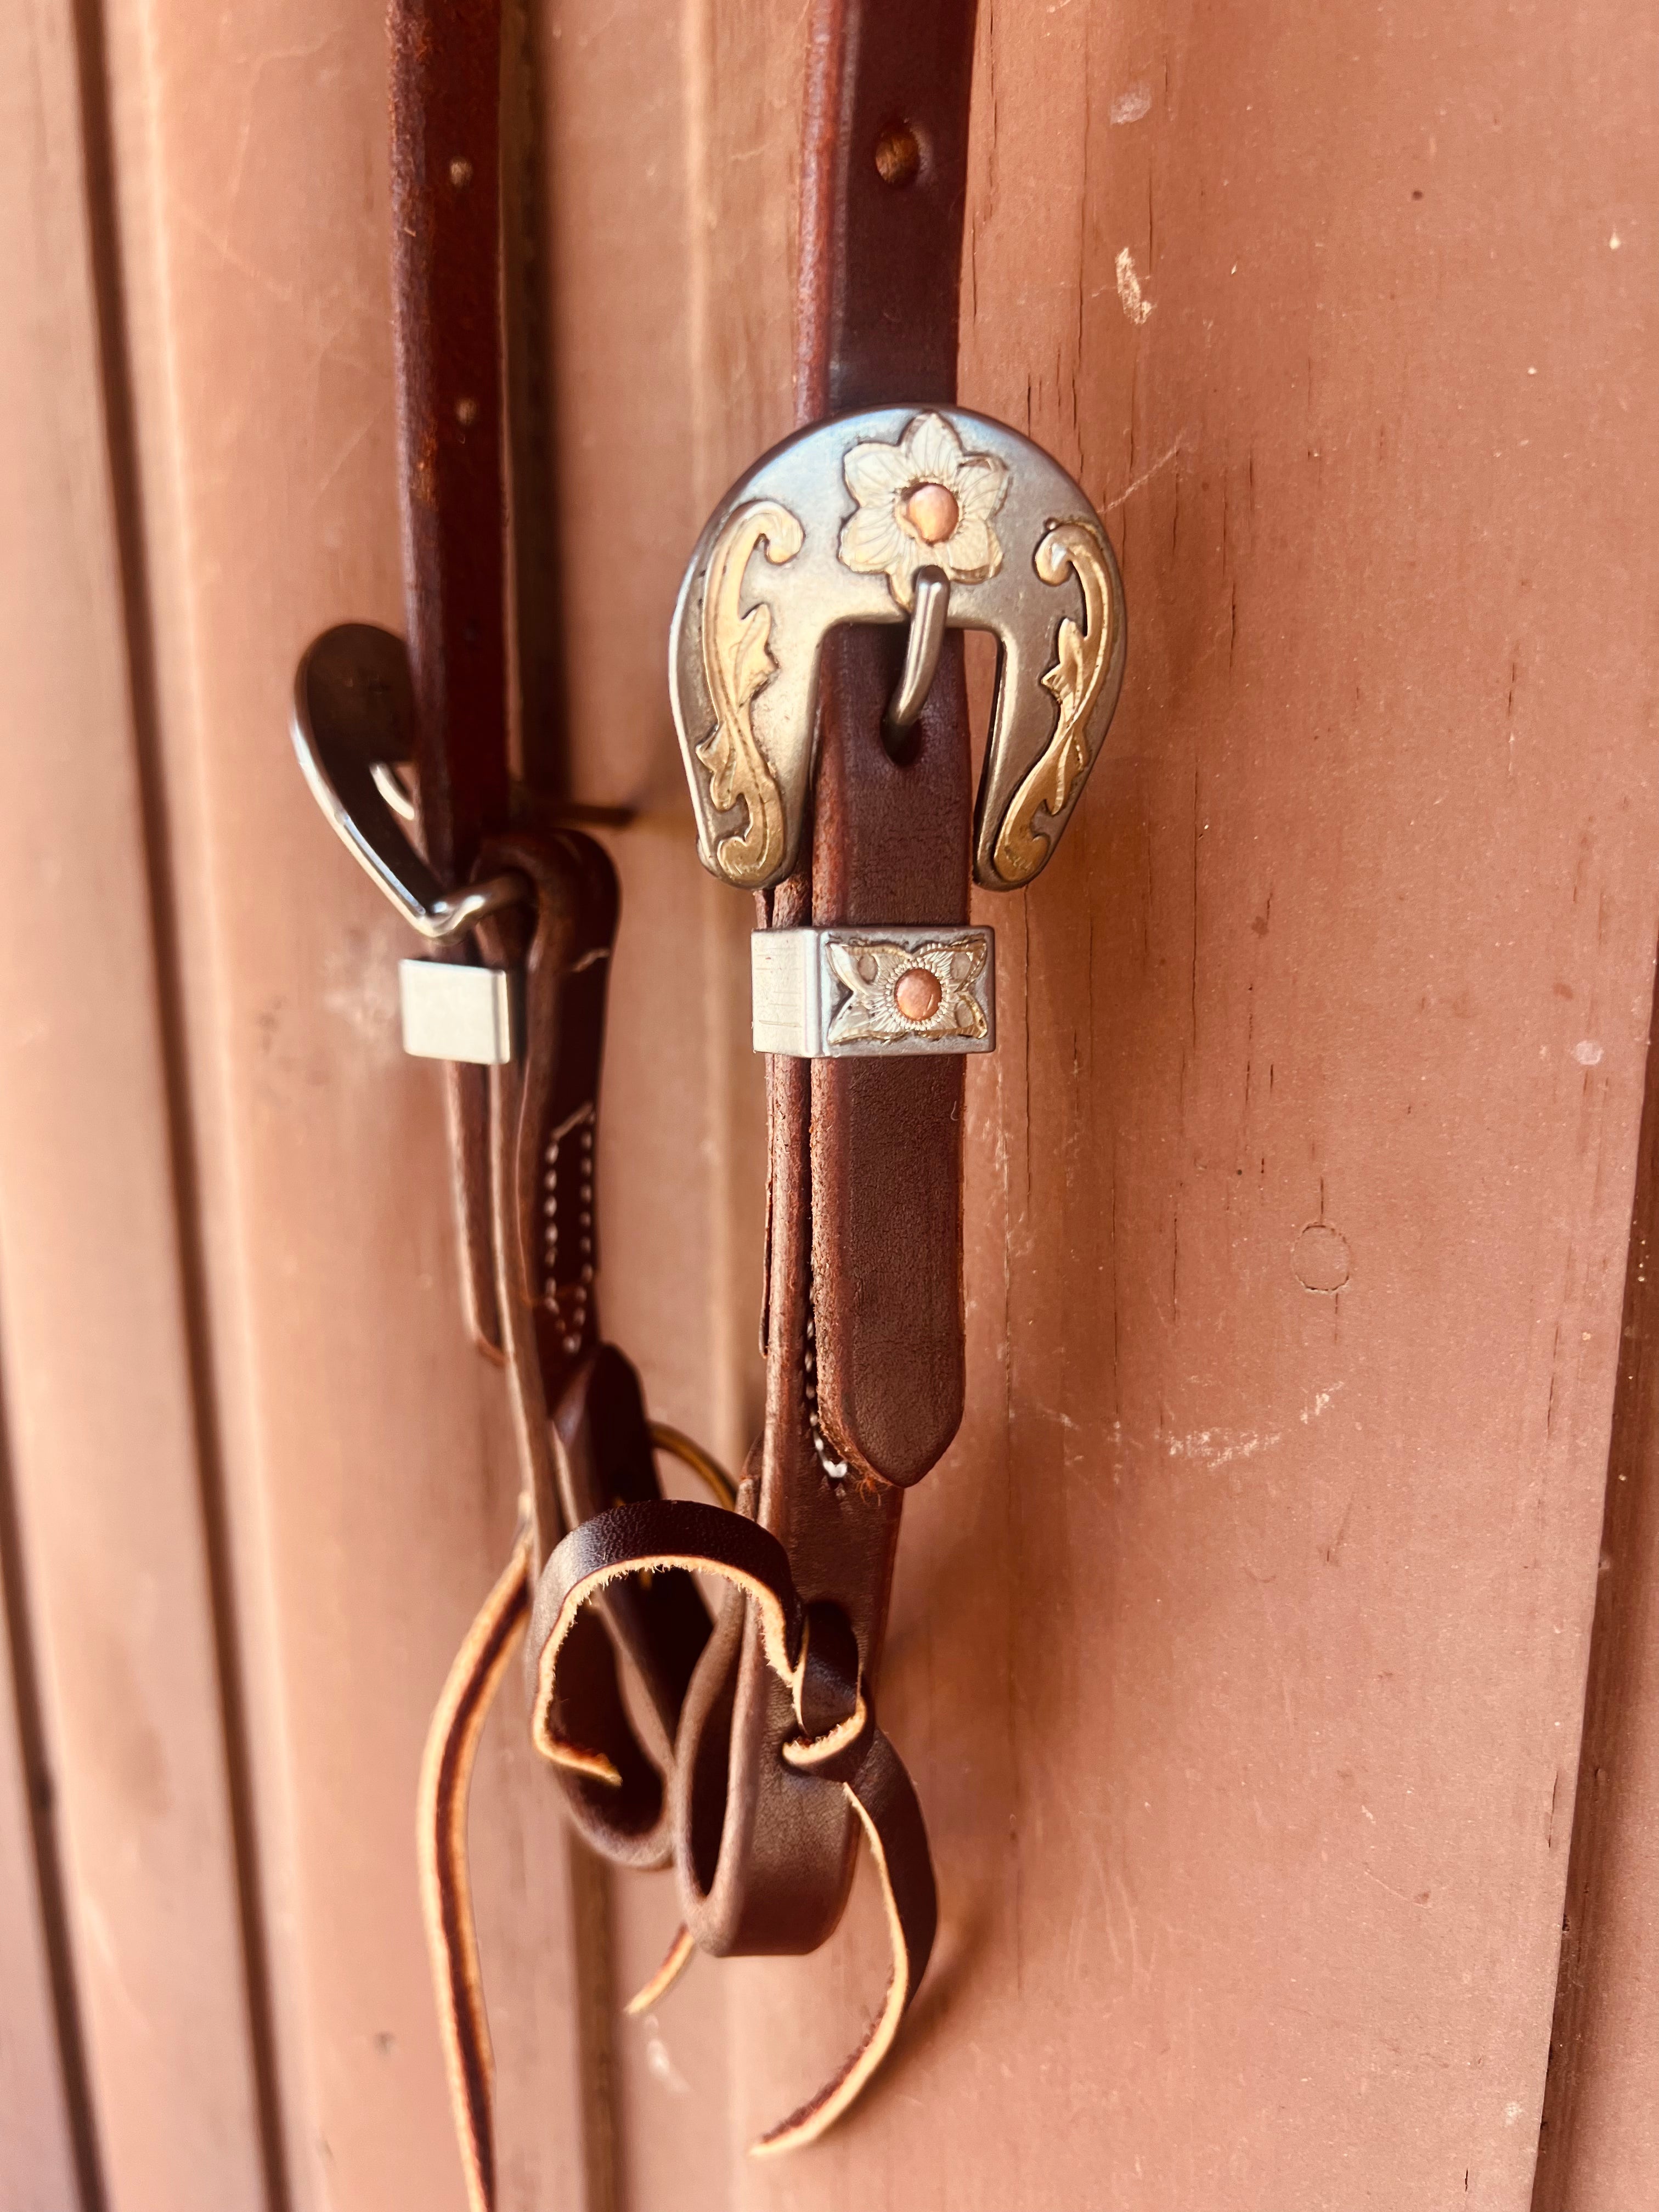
[
  {"x": 100, "y": 1392},
  {"x": 670, "y": 347},
  {"x": 36, "y": 2127},
  {"x": 1601, "y": 2139},
  {"x": 370, "y": 1475},
  {"x": 1239, "y": 1647}
]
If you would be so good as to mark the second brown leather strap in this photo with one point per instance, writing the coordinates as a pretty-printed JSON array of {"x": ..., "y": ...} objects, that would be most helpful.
[{"x": 863, "y": 1329}]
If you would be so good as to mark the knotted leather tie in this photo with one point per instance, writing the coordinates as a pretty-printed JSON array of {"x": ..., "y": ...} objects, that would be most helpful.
[{"x": 758, "y": 1761}]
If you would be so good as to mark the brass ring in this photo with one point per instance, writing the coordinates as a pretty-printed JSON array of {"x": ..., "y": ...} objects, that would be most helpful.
[{"x": 709, "y": 1469}]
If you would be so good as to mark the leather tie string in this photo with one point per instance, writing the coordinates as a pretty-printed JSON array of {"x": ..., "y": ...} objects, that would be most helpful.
[
  {"x": 814, "y": 1657},
  {"x": 752, "y": 1759}
]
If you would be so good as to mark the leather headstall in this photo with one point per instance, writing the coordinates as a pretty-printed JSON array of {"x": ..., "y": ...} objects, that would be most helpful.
[{"x": 816, "y": 676}]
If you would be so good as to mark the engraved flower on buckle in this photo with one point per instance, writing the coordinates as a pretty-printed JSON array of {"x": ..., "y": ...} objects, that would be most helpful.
[{"x": 923, "y": 502}]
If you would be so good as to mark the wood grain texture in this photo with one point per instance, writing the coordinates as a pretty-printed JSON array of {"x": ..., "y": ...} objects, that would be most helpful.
[
  {"x": 103, "y": 1422},
  {"x": 1239, "y": 1645},
  {"x": 1239, "y": 1648},
  {"x": 669, "y": 342}
]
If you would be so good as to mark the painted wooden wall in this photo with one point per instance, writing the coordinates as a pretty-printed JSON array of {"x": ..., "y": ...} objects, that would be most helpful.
[{"x": 1241, "y": 1646}]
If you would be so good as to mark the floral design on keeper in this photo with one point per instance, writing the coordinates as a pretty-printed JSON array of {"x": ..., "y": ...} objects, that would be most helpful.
[
  {"x": 924, "y": 501},
  {"x": 900, "y": 993}
]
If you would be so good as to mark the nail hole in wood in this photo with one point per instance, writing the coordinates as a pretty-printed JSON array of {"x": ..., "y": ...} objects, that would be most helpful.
[{"x": 898, "y": 156}]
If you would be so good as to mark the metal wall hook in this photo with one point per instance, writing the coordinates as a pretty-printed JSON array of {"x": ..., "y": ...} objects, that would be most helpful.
[
  {"x": 353, "y": 723},
  {"x": 389, "y": 782},
  {"x": 924, "y": 642}
]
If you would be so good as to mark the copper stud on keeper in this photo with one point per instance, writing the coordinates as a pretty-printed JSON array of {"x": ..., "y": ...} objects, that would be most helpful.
[
  {"x": 916, "y": 995},
  {"x": 460, "y": 172},
  {"x": 931, "y": 512},
  {"x": 466, "y": 413}
]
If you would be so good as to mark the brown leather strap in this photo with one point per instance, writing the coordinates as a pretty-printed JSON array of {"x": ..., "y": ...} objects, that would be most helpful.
[
  {"x": 833, "y": 1748},
  {"x": 780, "y": 1763},
  {"x": 864, "y": 1327},
  {"x": 883, "y": 188},
  {"x": 445, "y": 230},
  {"x": 446, "y": 221},
  {"x": 524, "y": 1141},
  {"x": 584, "y": 1442},
  {"x": 838, "y": 1745}
]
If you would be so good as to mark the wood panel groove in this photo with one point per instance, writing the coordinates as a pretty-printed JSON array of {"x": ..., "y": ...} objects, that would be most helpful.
[
  {"x": 109, "y": 284},
  {"x": 368, "y": 1467},
  {"x": 1599, "y": 2139},
  {"x": 111, "y": 1524},
  {"x": 31, "y": 2112}
]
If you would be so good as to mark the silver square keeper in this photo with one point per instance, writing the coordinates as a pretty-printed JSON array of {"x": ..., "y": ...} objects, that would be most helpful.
[
  {"x": 874, "y": 993},
  {"x": 453, "y": 1011}
]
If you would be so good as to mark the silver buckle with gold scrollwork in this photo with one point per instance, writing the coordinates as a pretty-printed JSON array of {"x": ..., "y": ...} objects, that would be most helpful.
[
  {"x": 935, "y": 517},
  {"x": 942, "y": 519}
]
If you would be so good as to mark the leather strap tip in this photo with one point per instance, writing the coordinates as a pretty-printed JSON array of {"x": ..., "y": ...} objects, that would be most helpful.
[
  {"x": 910, "y": 1912},
  {"x": 592, "y": 1764},
  {"x": 680, "y": 1956},
  {"x": 806, "y": 2126}
]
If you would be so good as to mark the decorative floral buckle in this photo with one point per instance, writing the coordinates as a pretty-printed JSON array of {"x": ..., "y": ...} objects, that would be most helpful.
[{"x": 933, "y": 516}]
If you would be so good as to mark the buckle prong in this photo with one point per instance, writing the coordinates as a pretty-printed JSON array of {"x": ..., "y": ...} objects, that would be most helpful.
[{"x": 924, "y": 642}]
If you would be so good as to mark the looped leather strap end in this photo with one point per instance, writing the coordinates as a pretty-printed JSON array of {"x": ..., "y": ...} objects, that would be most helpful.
[
  {"x": 653, "y": 1537},
  {"x": 812, "y": 1651},
  {"x": 883, "y": 1796}
]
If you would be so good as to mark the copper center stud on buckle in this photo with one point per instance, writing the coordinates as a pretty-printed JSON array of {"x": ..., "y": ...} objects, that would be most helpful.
[
  {"x": 939, "y": 519},
  {"x": 933, "y": 517}
]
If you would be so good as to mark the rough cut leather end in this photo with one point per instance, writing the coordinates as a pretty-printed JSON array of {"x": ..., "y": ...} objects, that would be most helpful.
[
  {"x": 680, "y": 1953},
  {"x": 445, "y": 1889},
  {"x": 880, "y": 1792},
  {"x": 813, "y": 1658},
  {"x": 658, "y": 1537}
]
